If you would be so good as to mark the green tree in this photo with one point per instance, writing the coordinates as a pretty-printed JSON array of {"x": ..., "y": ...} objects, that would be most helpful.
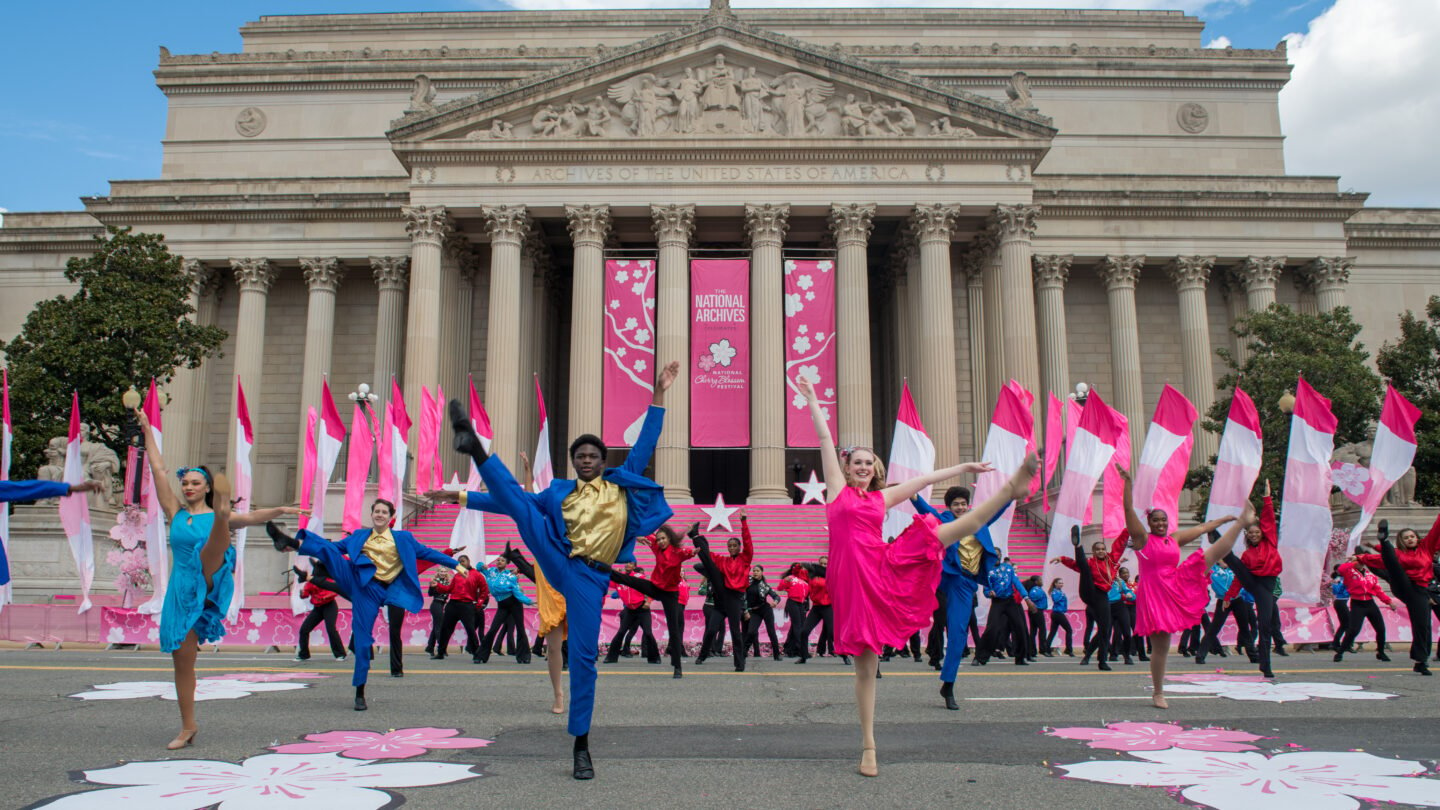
[
  {"x": 125, "y": 324},
  {"x": 1413, "y": 366},
  {"x": 1284, "y": 346}
]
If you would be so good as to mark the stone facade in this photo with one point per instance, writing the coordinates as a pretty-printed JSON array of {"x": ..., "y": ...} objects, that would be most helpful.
[{"x": 460, "y": 177}]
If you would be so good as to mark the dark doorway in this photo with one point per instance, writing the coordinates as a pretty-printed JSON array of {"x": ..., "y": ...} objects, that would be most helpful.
[{"x": 716, "y": 472}]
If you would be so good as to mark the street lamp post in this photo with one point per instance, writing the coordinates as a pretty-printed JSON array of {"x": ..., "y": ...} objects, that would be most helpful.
[{"x": 135, "y": 437}]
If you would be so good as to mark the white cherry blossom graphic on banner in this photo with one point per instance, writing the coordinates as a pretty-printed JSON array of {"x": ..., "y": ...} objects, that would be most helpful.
[
  {"x": 205, "y": 689},
  {"x": 809, "y": 345},
  {"x": 1318, "y": 780},
  {"x": 1285, "y": 692},
  {"x": 303, "y": 782}
]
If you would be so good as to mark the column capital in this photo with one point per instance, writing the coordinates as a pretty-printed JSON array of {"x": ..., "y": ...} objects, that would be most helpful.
[
  {"x": 506, "y": 223},
  {"x": 204, "y": 279},
  {"x": 1328, "y": 272},
  {"x": 1190, "y": 272},
  {"x": 852, "y": 223},
  {"x": 322, "y": 274},
  {"x": 673, "y": 223},
  {"x": 426, "y": 223},
  {"x": 1120, "y": 272},
  {"x": 767, "y": 223},
  {"x": 1051, "y": 270},
  {"x": 391, "y": 272},
  {"x": 1260, "y": 271},
  {"x": 1015, "y": 221},
  {"x": 589, "y": 224},
  {"x": 933, "y": 222},
  {"x": 254, "y": 275}
]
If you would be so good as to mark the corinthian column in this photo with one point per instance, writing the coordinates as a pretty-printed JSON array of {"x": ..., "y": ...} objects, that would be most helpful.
[
  {"x": 392, "y": 276},
  {"x": 1259, "y": 274},
  {"x": 673, "y": 226},
  {"x": 1120, "y": 274},
  {"x": 508, "y": 226},
  {"x": 428, "y": 226},
  {"x": 975, "y": 264},
  {"x": 852, "y": 224},
  {"x": 1329, "y": 277},
  {"x": 933, "y": 225},
  {"x": 188, "y": 389},
  {"x": 322, "y": 278},
  {"x": 1015, "y": 225},
  {"x": 1051, "y": 273},
  {"x": 589, "y": 225},
  {"x": 987, "y": 247},
  {"x": 1191, "y": 274},
  {"x": 767, "y": 224},
  {"x": 253, "y": 278}
]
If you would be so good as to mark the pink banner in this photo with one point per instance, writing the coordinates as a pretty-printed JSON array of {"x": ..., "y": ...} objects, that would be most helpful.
[
  {"x": 629, "y": 348},
  {"x": 809, "y": 346},
  {"x": 720, "y": 353}
]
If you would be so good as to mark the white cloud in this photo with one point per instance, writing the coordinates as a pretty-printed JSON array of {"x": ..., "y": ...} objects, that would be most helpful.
[
  {"x": 1362, "y": 101},
  {"x": 1212, "y": 7},
  {"x": 1218, "y": 42}
]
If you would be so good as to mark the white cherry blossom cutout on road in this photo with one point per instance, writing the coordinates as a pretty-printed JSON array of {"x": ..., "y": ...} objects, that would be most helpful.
[
  {"x": 1283, "y": 692},
  {"x": 205, "y": 689}
]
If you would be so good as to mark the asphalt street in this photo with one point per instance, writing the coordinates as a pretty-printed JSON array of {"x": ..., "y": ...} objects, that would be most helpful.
[{"x": 778, "y": 734}]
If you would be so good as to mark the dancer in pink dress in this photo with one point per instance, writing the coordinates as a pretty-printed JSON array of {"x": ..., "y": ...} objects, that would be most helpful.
[
  {"x": 1176, "y": 592},
  {"x": 884, "y": 593}
]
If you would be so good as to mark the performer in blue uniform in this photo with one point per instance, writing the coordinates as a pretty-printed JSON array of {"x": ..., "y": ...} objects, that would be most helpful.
[{"x": 576, "y": 529}]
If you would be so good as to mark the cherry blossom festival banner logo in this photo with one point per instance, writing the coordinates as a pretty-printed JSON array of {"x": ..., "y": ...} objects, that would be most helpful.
[
  {"x": 809, "y": 346},
  {"x": 720, "y": 353},
  {"x": 629, "y": 348}
]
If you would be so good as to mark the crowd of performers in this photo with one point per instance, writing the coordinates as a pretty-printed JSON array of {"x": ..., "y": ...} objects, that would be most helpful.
[{"x": 870, "y": 599}]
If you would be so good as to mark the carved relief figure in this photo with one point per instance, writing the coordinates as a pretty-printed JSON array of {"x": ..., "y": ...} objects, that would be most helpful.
[
  {"x": 720, "y": 90},
  {"x": 597, "y": 117},
  {"x": 753, "y": 92},
  {"x": 54, "y": 467},
  {"x": 642, "y": 101},
  {"x": 546, "y": 119},
  {"x": 800, "y": 108},
  {"x": 422, "y": 98},
  {"x": 686, "y": 90},
  {"x": 902, "y": 119},
  {"x": 498, "y": 131},
  {"x": 852, "y": 116},
  {"x": 1019, "y": 92},
  {"x": 569, "y": 125}
]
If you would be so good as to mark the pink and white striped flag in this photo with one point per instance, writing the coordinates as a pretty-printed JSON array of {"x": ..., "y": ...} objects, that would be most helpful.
[
  {"x": 307, "y": 496},
  {"x": 912, "y": 455},
  {"x": 1054, "y": 441},
  {"x": 75, "y": 510},
  {"x": 1073, "y": 411},
  {"x": 1011, "y": 436},
  {"x": 427, "y": 475},
  {"x": 1112, "y": 496},
  {"x": 1393, "y": 453},
  {"x": 243, "y": 480},
  {"x": 329, "y": 438},
  {"x": 1238, "y": 463},
  {"x": 543, "y": 471},
  {"x": 394, "y": 440},
  {"x": 1096, "y": 437},
  {"x": 357, "y": 467},
  {"x": 7, "y": 436},
  {"x": 468, "y": 533},
  {"x": 1306, "y": 521},
  {"x": 1165, "y": 458},
  {"x": 157, "y": 552}
]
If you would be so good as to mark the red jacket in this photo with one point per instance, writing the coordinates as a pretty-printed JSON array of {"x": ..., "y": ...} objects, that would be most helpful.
[
  {"x": 797, "y": 589},
  {"x": 467, "y": 587},
  {"x": 1362, "y": 584},
  {"x": 1103, "y": 571},
  {"x": 737, "y": 569},
  {"x": 666, "y": 573},
  {"x": 1415, "y": 561},
  {"x": 317, "y": 595},
  {"x": 819, "y": 593},
  {"x": 631, "y": 598},
  {"x": 1263, "y": 559}
]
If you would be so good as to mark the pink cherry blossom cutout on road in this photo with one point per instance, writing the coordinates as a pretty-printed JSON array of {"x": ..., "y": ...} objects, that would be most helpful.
[
  {"x": 1158, "y": 737},
  {"x": 397, "y": 744}
]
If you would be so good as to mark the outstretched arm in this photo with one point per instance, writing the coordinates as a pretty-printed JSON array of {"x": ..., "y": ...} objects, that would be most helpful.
[
  {"x": 163, "y": 490},
  {"x": 1139, "y": 532},
  {"x": 829, "y": 461},
  {"x": 904, "y": 491},
  {"x": 260, "y": 517},
  {"x": 1187, "y": 535},
  {"x": 978, "y": 517}
]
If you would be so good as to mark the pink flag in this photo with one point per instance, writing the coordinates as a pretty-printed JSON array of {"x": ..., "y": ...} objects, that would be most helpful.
[
  {"x": 1238, "y": 463},
  {"x": 426, "y": 475},
  {"x": 7, "y": 436},
  {"x": 75, "y": 510},
  {"x": 1305, "y": 520},
  {"x": 329, "y": 438},
  {"x": 629, "y": 349},
  {"x": 720, "y": 353},
  {"x": 1096, "y": 438},
  {"x": 912, "y": 455},
  {"x": 244, "y": 483},
  {"x": 479, "y": 419},
  {"x": 357, "y": 468},
  {"x": 307, "y": 496},
  {"x": 396, "y": 436},
  {"x": 157, "y": 552},
  {"x": 1054, "y": 440},
  {"x": 1012, "y": 434},
  {"x": 810, "y": 347},
  {"x": 468, "y": 531},
  {"x": 1073, "y": 412},
  {"x": 544, "y": 469},
  {"x": 1165, "y": 458},
  {"x": 1393, "y": 453},
  {"x": 1112, "y": 505}
]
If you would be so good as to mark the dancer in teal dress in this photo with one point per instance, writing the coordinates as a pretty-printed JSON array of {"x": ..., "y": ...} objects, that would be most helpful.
[{"x": 202, "y": 569}]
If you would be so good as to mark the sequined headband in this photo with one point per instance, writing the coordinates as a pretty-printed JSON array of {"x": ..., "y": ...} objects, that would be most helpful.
[{"x": 183, "y": 471}]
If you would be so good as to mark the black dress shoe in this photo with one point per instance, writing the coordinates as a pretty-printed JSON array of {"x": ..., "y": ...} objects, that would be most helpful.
[
  {"x": 1280, "y": 651},
  {"x": 1422, "y": 668},
  {"x": 677, "y": 674},
  {"x": 1381, "y": 656},
  {"x": 281, "y": 540},
  {"x": 360, "y": 705},
  {"x": 397, "y": 674},
  {"x": 583, "y": 767},
  {"x": 1104, "y": 667},
  {"x": 947, "y": 691}
]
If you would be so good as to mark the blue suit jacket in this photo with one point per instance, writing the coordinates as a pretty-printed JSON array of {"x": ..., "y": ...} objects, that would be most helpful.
[
  {"x": 951, "y": 565},
  {"x": 646, "y": 509},
  {"x": 405, "y": 590}
]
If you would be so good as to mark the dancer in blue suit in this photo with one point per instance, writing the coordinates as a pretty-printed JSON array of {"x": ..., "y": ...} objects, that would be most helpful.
[
  {"x": 966, "y": 565},
  {"x": 576, "y": 529},
  {"x": 371, "y": 567}
]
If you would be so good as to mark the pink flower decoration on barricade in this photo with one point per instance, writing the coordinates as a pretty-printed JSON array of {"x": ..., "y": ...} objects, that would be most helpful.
[
  {"x": 398, "y": 744},
  {"x": 1158, "y": 737},
  {"x": 264, "y": 677}
]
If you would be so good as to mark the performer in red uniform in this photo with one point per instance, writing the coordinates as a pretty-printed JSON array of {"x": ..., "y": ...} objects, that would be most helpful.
[
  {"x": 663, "y": 586},
  {"x": 469, "y": 593},
  {"x": 1364, "y": 588},
  {"x": 1410, "y": 567},
  {"x": 729, "y": 577}
]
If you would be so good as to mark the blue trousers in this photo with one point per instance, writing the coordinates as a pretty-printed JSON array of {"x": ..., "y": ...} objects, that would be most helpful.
[
  {"x": 365, "y": 598},
  {"x": 583, "y": 587},
  {"x": 961, "y": 606}
]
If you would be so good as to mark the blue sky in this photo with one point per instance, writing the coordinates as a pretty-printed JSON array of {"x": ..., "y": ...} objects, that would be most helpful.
[{"x": 80, "y": 106}]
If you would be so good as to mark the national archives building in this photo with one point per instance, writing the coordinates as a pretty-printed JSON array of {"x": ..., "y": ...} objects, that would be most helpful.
[{"x": 950, "y": 197}]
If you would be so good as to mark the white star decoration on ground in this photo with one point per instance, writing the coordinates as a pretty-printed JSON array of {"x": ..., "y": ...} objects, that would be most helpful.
[
  {"x": 719, "y": 514},
  {"x": 814, "y": 489}
]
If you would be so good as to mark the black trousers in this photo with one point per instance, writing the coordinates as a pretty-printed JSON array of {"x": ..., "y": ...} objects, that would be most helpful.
[
  {"x": 463, "y": 613},
  {"x": 765, "y": 613},
  {"x": 437, "y": 618},
  {"x": 1416, "y": 599},
  {"x": 1240, "y": 609},
  {"x": 1039, "y": 640},
  {"x": 729, "y": 607},
  {"x": 1121, "y": 629},
  {"x": 394, "y": 618},
  {"x": 1004, "y": 628},
  {"x": 824, "y": 616},
  {"x": 1097, "y": 608},
  {"x": 509, "y": 618},
  {"x": 326, "y": 613},
  {"x": 935, "y": 641},
  {"x": 1057, "y": 621},
  {"x": 1342, "y": 622},
  {"x": 1191, "y": 636},
  {"x": 632, "y": 620},
  {"x": 795, "y": 613},
  {"x": 1267, "y": 617},
  {"x": 1361, "y": 611}
]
